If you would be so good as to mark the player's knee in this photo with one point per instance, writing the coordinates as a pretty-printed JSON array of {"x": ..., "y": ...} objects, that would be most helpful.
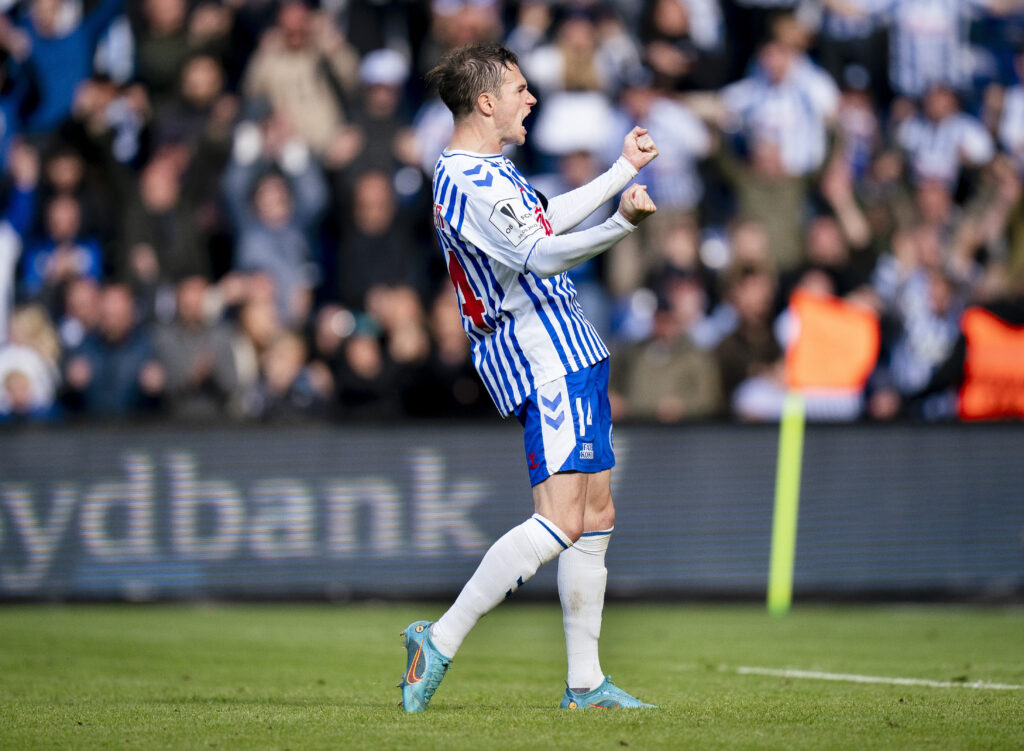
[{"x": 573, "y": 529}]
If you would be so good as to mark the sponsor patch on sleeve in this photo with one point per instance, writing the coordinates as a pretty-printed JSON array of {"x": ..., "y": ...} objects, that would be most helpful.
[{"x": 513, "y": 220}]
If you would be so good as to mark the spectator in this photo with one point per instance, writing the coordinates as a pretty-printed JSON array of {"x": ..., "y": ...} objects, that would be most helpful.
[
  {"x": 399, "y": 313},
  {"x": 928, "y": 44},
  {"x": 258, "y": 325},
  {"x": 447, "y": 385},
  {"x": 378, "y": 136},
  {"x": 202, "y": 114},
  {"x": 196, "y": 355},
  {"x": 852, "y": 44},
  {"x": 15, "y": 223},
  {"x": 58, "y": 58},
  {"x": 683, "y": 44},
  {"x": 924, "y": 301},
  {"x": 114, "y": 371},
  {"x": 32, "y": 327},
  {"x": 768, "y": 197},
  {"x": 28, "y": 368},
  {"x": 1010, "y": 128},
  {"x": 275, "y": 192},
  {"x": 574, "y": 76},
  {"x": 817, "y": 176},
  {"x": 674, "y": 182},
  {"x": 377, "y": 245},
  {"x": 161, "y": 237},
  {"x": 943, "y": 138},
  {"x": 533, "y": 23},
  {"x": 300, "y": 68},
  {"x": 929, "y": 327},
  {"x": 666, "y": 377},
  {"x": 66, "y": 173},
  {"x": 858, "y": 130},
  {"x": 112, "y": 121},
  {"x": 752, "y": 349},
  {"x": 169, "y": 36},
  {"x": 826, "y": 251},
  {"x": 81, "y": 311},
  {"x": 365, "y": 378},
  {"x": 750, "y": 25},
  {"x": 163, "y": 46},
  {"x": 288, "y": 387},
  {"x": 14, "y": 92},
  {"x": 61, "y": 254},
  {"x": 787, "y": 101}
]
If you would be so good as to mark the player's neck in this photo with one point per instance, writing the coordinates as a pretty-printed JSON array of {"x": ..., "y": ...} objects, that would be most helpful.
[{"x": 471, "y": 137}]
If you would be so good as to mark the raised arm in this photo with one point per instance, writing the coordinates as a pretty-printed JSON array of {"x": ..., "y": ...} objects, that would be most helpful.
[
  {"x": 569, "y": 209},
  {"x": 99, "y": 20},
  {"x": 557, "y": 253}
]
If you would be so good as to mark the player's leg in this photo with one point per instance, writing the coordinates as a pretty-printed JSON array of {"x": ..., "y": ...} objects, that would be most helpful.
[
  {"x": 562, "y": 498},
  {"x": 512, "y": 560},
  {"x": 581, "y": 569},
  {"x": 581, "y": 585},
  {"x": 508, "y": 564}
]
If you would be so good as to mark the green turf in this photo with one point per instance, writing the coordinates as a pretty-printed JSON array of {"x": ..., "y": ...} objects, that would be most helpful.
[{"x": 311, "y": 677}]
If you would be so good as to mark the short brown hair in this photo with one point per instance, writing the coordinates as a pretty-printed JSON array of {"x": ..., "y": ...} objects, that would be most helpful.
[{"x": 463, "y": 74}]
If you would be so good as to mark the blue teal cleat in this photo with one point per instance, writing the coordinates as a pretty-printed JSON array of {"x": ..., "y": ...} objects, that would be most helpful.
[
  {"x": 605, "y": 696},
  {"x": 424, "y": 669}
]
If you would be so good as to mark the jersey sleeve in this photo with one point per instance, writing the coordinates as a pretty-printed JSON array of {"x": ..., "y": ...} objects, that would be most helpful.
[{"x": 567, "y": 210}]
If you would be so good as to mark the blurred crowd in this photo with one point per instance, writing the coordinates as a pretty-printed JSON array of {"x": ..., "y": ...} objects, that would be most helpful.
[{"x": 220, "y": 209}]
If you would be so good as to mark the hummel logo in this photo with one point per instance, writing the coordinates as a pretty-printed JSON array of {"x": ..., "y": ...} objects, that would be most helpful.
[
  {"x": 485, "y": 181},
  {"x": 557, "y": 417},
  {"x": 553, "y": 422},
  {"x": 551, "y": 404}
]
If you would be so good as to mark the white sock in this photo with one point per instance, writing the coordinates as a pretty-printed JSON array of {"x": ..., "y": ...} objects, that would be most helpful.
[
  {"x": 505, "y": 567},
  {"x": 581, "y": 583}
]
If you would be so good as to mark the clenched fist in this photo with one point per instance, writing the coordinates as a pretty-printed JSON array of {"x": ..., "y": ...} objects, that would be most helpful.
[
  {"x": 639, "y": 148},
  {"x": 635, "y": 205}
]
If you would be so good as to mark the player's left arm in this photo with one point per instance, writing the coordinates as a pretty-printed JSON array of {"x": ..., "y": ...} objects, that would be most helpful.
[
  {"x": 551, "y": 255},
  {"x": 569, "y": 209}
]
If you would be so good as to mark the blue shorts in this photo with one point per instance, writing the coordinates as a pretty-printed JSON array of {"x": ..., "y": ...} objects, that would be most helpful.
[{"x": 567, "y": 425}]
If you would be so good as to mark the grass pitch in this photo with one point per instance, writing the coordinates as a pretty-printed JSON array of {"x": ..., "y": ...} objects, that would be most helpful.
[{"x": 319, "y": 677}]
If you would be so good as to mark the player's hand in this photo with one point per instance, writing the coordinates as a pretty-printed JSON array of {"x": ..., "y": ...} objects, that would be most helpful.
[
  {"x": 635, "y": 205},
  {"x": 639, "y": 148}
]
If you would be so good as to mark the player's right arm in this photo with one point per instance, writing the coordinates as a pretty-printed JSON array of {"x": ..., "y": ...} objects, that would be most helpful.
[{"x": 567, "y": 210}]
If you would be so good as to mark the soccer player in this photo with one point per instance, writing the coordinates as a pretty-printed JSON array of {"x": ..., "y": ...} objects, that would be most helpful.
[{"x": 508, "y": 250}]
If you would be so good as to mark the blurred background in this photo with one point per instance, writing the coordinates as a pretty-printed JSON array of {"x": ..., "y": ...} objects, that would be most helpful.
[{"x": 231, "y": 361}]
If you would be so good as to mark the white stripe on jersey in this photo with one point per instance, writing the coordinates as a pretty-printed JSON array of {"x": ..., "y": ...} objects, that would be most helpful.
[{"x": 525, "y": 331}]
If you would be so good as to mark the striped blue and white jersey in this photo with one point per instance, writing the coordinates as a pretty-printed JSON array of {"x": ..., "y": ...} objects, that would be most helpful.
[
  {"x": 936, "y": 150},
  {"x": 525, "y": 330},
  {"x": 792, "y": 113},
  {"x": 928, "y": 42}
]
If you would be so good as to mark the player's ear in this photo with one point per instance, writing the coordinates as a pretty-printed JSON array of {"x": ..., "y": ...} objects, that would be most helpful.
[{"x": 485, "y": 103}]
